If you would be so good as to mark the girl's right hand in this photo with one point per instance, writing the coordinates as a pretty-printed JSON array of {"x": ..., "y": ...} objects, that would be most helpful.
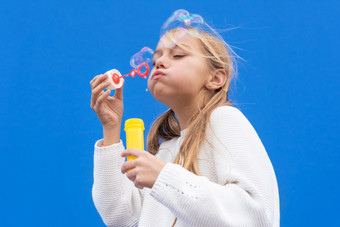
[{"x": 108, "y": 109}]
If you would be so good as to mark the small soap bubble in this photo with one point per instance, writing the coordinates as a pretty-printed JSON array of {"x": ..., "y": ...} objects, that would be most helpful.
[{"x": 144, "y": 55}]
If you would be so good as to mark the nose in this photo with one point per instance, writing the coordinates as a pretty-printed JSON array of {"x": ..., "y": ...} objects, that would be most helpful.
[{"x": 160, "y": 62}]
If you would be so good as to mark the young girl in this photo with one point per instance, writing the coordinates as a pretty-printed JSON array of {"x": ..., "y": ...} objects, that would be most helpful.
[{"x": 205, "y": 165}]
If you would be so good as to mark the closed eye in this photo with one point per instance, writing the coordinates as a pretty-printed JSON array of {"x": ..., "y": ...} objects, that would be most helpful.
[{"x": 175, "y": 56}]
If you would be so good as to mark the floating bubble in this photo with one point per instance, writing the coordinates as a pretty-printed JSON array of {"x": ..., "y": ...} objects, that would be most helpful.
[
  {"x": 182, "y": 19},
  {"x": 144, "y": 55}
]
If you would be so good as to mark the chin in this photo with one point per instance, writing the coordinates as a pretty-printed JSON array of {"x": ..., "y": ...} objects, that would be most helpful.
[{"x": 161, "y": 96}]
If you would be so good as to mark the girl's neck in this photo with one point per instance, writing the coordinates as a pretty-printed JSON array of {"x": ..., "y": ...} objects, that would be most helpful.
[
  {"x": 185, "y": 108},
  {"x": 184, "y": 114}
]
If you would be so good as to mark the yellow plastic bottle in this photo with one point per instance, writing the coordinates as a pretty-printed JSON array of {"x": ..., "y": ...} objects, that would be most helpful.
[{"x": 134, "y": 128}]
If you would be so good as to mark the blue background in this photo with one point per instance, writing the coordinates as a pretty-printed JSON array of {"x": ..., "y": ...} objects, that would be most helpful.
[{"x": 288, "y": 88}]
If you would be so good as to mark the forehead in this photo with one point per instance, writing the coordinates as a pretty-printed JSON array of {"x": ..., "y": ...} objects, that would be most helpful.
[{"x": 188, "y": 42}]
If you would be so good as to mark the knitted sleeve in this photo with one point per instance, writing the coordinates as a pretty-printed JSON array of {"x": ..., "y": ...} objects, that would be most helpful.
[
  {"x": 249, "y": 195},
  {"x": 116, "y": 199}
]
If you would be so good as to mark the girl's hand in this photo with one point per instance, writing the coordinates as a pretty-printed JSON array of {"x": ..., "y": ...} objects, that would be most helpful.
[
  {"x": 144, "y": 170},
  {"x": 108, "y": 109}
]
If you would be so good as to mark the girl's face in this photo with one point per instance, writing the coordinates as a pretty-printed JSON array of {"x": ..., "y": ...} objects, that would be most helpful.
[{"x": 178, "y": 75}]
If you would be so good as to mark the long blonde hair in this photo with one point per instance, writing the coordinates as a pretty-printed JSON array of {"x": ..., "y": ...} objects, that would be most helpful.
[{"x": 166, "y": 127}]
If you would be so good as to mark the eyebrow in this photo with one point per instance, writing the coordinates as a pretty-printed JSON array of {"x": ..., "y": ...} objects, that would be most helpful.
[{"x": 159, "y": 50}]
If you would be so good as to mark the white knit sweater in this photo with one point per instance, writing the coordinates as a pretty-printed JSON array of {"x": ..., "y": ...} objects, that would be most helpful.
[{"x": 234, "y": 154}]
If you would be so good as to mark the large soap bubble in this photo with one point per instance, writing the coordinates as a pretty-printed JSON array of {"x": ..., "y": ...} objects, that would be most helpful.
[{"x": 182, "y": 20}]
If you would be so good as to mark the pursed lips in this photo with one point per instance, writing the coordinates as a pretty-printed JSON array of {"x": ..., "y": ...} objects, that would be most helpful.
[{"x": 157, "y": 74}]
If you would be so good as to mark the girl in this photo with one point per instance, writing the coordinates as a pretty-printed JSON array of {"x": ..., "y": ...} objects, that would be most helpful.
[{"x": 205, "y": 165}]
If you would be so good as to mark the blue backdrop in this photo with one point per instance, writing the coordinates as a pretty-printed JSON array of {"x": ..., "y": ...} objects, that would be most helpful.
[{"x": 288, "y": 88}]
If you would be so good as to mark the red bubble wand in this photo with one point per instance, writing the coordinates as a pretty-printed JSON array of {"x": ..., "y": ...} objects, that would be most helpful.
[{"x": 133, "y": 73}]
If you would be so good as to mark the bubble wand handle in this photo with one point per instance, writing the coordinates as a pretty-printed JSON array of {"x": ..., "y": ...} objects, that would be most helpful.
[{"x": 134, "y": 129}]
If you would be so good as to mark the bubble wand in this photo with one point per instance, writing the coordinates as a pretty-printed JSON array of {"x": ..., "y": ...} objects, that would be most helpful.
[{"x": 138, "y": 61}]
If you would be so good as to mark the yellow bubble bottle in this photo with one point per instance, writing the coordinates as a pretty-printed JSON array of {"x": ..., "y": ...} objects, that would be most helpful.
[{"x": 134, "y": 128}]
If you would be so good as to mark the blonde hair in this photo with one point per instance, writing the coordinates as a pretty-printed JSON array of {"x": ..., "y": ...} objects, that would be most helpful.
[{"x": 166, "y": 127}]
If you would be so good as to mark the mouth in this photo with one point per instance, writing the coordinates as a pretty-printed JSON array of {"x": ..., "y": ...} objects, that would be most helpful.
[{"x": 157, "y": 74}]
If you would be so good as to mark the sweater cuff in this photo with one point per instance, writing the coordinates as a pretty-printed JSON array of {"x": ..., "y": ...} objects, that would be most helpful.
[
  {"x": 176, "y": 182},
  {"x": 108, "y": 157},
  {"x": 100, "y": 148}
]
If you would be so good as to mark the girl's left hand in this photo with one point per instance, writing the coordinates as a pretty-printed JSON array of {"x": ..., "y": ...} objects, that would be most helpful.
[{"x": 144, "y": 170}]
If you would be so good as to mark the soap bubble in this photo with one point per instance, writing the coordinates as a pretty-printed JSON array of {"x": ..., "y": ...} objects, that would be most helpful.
[
  {"x": 182, "y": 19},
  {"x": 144, "y": 55}
]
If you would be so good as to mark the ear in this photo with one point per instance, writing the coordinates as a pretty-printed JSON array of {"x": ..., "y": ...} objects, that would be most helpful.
[{"x": 216, "y": 80}]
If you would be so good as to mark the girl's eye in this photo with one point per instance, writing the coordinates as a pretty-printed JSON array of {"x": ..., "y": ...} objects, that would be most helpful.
[{"x": 178, "y": 56}]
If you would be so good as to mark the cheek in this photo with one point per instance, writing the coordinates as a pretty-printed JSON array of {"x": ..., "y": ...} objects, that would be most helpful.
[
  {"x": 150, "y": 85},
  {"x": 158, "y": 91},
  {"x": 191, "y": 76},
  {"x": 148, "y": 82},
  {"x": 154, "y": 86}
]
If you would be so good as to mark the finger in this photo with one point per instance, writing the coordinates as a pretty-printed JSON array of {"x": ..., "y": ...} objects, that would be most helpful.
[
  {"x": 131, "y": 174},
  {"x": 94, "y": 99},
  {"x": 94, "y": 81},
  {"x": 99, "y": 80},
  {"x": 94, "y": 78},
  {"x": 119, "y": 92},
  {"x": 128, "y": 166},
  {"x": 131, "y": 152},
  {"x": 103, "y": 96},
  {"x": 98, "y": 91},
  {"x": 101, "y": 87}
]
